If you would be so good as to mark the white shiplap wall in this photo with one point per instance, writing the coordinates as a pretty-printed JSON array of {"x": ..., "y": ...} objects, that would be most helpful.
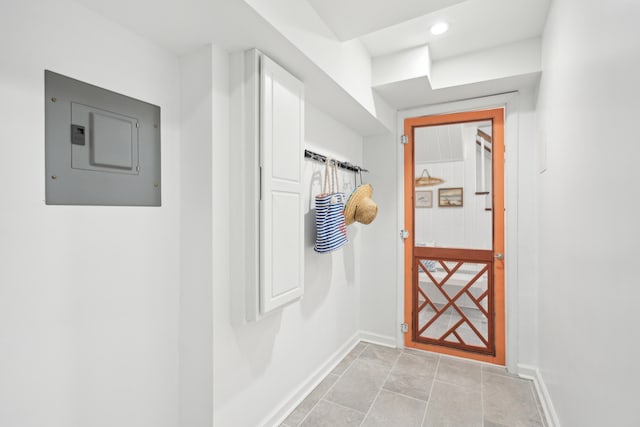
[{"x": 465, "y": 227}]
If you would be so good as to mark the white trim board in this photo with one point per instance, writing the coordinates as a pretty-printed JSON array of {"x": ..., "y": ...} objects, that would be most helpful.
[
  {"x": 533, "y": 373},
  {"x": 294, "y": 399},
  {"x": 508, "y": 101},
  {"x": 383, "y": 340}
]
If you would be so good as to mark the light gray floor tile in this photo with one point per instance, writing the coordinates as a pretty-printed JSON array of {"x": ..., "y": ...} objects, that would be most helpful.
[
  {"x": 416, "y": 386},
  {"x": 413, "y": 362},
  {"x": 452, "y": 405},
  {"x": 343, "y": 365},
  {"x": 359, "y": 348},
  {"x": 296, "y": 417},
  {"x": 381, "y": 355},
  {"x": 349, "y": 358},
  {"x": 422, "y": 353},
  {"x": 412, "y": 375},
  {"x": 509, "y": 401},
  {"x": 465, "y": 374},
  {"x": 392, "y": 409},
  {"x": 455, "y": 399},
  {"x": 327, "y": 414},
  {"x": 359, "y": 385}
]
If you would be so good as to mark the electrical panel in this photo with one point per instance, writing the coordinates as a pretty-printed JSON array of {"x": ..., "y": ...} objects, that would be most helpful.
[{"x": 101, "y": 147}]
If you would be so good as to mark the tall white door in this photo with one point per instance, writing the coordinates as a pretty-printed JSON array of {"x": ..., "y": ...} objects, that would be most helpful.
[{"x": 281, "y": 201}]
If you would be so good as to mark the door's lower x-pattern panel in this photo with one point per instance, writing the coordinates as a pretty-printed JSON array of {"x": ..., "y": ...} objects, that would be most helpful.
[{"x": 453, "y": 304}]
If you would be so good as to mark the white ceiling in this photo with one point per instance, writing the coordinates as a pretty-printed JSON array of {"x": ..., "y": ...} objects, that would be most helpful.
[
  {"x": 182, "y": 26},
  {"x": 354, "y": 18},
  {"x": 473, "y": 25},
  {"x": 417, "y": 92},
  {"x": 383, "y": 26}
]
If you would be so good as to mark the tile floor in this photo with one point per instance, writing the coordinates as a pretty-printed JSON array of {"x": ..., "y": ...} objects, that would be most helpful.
[{"x": 376, "y": 386}]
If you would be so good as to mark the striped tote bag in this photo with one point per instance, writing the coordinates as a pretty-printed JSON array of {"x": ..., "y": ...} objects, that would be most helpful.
[{"x": 331, "y": 231}]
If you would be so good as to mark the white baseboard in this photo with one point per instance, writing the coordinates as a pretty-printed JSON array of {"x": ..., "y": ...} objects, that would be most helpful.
[
  {"x": 378, "y": 339},
  {"x": 290, "y": 403},
  {"x": 549, "y": 412}
]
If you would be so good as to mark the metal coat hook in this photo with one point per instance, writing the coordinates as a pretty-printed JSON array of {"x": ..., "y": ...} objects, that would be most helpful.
[{"x": 344, "y": 165}]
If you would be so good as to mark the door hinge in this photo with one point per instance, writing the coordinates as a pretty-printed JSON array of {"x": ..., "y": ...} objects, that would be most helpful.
[
  {"x": 404, "y": 139},
  {"x": 404, "y": 234},
  {"x": 404, "y": 328}
]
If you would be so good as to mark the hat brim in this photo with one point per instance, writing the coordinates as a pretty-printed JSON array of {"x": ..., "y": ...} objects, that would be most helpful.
[{"x": 360, "y": 193}]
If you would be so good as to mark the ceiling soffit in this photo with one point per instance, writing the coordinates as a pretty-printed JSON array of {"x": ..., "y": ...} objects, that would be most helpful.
[{"x": 355, "y": 18}]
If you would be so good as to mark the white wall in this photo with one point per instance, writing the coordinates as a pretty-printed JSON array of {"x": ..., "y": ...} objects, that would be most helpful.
[
  {"x": 519, "y": 58},
  {"x": 378, "y": 316},
  {"x": 88, "y": 295},
  {"x": 588, "y": 214},
  {"x": 526, "y": 228},
  {"x": 258, "y": 365},
  {"x": 348, "y": 63},
  {"x": 404, "y": 65},
  {"x": 196, "y": 323}
]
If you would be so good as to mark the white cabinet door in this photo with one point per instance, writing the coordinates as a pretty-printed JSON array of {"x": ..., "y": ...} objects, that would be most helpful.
[{"x": 281, "y": 202}]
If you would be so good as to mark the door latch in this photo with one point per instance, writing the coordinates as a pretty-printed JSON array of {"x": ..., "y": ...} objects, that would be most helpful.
[
  {"x": 77, "y": 135},
  {"x": 404, "y": 234},
  {"x": 499, "y": 256}
]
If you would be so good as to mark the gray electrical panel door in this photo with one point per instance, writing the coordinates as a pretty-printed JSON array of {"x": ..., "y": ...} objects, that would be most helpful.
[{"x": 102, "y": 148}]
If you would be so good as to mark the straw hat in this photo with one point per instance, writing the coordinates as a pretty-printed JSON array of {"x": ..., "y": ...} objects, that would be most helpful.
[{"x": 360, "y": 206}]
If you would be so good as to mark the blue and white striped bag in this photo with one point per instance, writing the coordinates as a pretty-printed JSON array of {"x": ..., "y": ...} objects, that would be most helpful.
[{"x": 331, "y": 231}]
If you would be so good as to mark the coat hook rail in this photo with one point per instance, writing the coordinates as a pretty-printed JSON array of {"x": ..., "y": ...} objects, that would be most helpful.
[{"x": 322, "y": 159}]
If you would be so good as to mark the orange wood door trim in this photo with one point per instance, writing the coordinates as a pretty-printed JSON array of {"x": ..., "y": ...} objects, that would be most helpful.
[
  {"x": 497, "y": 118},
  {"x": 454, "y": 254}
]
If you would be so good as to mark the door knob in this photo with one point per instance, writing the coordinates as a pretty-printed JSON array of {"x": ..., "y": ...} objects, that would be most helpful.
[{"x": 499, "y": 256}]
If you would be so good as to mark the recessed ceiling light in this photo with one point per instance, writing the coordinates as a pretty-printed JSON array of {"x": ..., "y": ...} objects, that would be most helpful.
[{"x": 439, "y": 28}]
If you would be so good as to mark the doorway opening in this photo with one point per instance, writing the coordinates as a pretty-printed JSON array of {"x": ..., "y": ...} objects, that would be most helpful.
[{"x": 454, "y": 212}]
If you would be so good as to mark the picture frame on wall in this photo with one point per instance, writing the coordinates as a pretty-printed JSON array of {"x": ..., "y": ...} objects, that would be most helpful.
[
  {"x": 450, "y": 197},
  {"x": 424, "y": 199}
]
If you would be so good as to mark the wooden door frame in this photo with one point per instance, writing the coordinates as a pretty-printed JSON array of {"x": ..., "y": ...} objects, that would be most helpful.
[{"x": 497, "y": 116}]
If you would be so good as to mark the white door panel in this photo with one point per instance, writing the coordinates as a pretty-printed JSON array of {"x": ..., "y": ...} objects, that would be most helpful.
[{"x": 281, "y": 203}]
